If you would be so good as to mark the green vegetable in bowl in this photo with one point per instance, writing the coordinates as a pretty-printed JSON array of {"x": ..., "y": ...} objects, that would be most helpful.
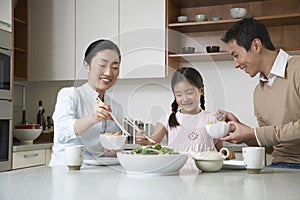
[{"x": 154, "y": 149}]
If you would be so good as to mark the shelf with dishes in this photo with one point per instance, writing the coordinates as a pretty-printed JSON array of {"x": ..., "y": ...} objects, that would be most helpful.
[
  {"x": 216, "y": 56},
  {"x": 224, "y": 24}
]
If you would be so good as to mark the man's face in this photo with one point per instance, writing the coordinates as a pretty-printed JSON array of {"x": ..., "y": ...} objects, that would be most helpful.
[{"x": 245, "y": 60}]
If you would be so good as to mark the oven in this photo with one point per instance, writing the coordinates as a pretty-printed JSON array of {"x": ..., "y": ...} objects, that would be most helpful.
[{"x": 6, "y": 112}]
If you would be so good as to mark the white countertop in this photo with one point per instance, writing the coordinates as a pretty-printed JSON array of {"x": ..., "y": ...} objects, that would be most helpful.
[{"x": 102, "y": 182}]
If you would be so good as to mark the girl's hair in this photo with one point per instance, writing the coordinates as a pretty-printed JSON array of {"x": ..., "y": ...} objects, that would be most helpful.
[
  {"x": 194, "y": 78},
  {"x": 100, "y": 45}
]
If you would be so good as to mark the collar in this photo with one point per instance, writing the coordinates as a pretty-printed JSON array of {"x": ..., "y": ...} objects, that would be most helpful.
[{"x": 277, "y": 70}]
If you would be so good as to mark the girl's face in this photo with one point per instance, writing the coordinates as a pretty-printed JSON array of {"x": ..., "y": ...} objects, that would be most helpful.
[
  {"x": 188, "y": 97},
  {"x": 103, "y": 70}
]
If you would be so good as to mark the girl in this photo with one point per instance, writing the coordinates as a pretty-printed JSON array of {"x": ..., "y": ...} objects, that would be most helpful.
[
  {"x": 78, "y": 118},
  {"x": 185, "y": 127}
]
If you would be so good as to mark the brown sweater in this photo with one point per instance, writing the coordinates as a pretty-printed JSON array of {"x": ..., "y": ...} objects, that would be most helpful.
[{"x": 277, "y": 109}]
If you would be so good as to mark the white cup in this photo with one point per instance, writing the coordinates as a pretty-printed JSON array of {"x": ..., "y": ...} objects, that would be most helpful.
[
  {"x": 254, "y": 159},
  {"x": 74, "y": 156}
]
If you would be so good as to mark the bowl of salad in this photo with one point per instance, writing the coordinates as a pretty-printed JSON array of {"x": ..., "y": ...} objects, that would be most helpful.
[{"x": 152, "y": 160}]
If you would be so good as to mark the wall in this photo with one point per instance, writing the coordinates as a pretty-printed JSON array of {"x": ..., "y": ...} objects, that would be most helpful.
[{"x": 147, "y": 99}]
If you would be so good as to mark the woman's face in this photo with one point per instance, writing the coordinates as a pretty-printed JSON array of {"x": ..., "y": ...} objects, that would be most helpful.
[
  {"x": 188, "y": 97},
  {"x": 103, "y": 70}
]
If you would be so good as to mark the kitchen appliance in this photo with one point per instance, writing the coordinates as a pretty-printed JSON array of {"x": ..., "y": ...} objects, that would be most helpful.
[{"x": 5, "y": 100}]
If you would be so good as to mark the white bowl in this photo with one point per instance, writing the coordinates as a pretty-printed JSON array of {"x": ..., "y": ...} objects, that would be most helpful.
[
  {"x": 209, "y": 165},
  {"x": 218, "y": 129},
  {"x": 182, "y": 18},
  {"x": 238, "y": 12},
  {"x": 26, "y": 136},
  {"x": 200, "y": 17},
  {"x": 152, "y": 164},
  {"x": 112, "y": 142}
]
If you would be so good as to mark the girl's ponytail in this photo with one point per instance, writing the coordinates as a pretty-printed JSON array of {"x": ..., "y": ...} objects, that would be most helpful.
[{"x": 172, "y": 119}]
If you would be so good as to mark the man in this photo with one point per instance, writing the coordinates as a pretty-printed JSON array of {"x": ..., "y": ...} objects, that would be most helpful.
[{"x": 276, "y": 97}]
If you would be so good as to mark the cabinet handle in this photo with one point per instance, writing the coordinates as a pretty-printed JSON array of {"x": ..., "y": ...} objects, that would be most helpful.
[
  {"x": 31, "y": 155},
  {"x": 5, "y": 23}
]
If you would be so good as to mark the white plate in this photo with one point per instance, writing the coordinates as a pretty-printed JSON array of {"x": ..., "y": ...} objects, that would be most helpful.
[
  {"x": 233, "y": 164},
  {"x": 102, "y": 161}
]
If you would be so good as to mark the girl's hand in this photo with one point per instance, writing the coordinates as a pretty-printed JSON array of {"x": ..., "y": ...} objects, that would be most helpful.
[
  {"x": 101, "y": 112},
  {"x": 141, "y": 138},
  {"x": 223, "y": 115}
]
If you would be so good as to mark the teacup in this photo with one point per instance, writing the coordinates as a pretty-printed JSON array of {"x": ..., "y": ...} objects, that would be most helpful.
[
  {"x": 74, "y": 156},
  {"x": 254, "y": 159},
  {"x": 218, "y": 129}
]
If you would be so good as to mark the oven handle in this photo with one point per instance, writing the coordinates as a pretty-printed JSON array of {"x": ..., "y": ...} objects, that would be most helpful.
[{"x": 5, "y": 23}]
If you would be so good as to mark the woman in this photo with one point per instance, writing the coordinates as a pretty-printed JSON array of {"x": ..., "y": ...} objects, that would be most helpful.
[{"x": 78, "y": 117}]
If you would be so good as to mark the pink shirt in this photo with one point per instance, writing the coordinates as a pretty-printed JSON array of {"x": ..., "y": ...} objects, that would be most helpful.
[{"x": 191, "y": 134}]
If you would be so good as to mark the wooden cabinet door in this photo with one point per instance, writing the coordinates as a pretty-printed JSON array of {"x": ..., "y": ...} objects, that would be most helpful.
[
  {"x": 95, "y": 19},
  {"x": 142, "y": 38},
  {"x": 52, "y": 40}
]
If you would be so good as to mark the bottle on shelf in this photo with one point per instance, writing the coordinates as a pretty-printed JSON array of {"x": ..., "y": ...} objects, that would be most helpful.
[{"x": 40, "y": 115}]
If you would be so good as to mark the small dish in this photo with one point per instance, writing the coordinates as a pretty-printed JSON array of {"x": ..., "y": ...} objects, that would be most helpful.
[
  {"x": 182, "y": 18},
  {"x": 216, "y": 18},
  {"x": 200, "y": 17},
  {"x": 112, "y": 142},
  {"x": 187, "y": 50},
  {"x": 238, "y": 12},
  {"x": 212, "y": 49}
]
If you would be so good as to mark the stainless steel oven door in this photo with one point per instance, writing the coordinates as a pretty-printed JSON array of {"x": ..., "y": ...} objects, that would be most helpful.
[
  {"x": 6, "y": 74},
  {"x": 5, "y": 135}
]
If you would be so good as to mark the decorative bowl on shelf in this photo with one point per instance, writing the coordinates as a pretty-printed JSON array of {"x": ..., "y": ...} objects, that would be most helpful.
[
  {"x": 200, "y": 17},
  {"x": 238, "y": 12},
  {"x": 27, "y": 133},
  {"x": 212, "y": 49},
  {"x": 187, "y": 50},
  {"x": 182, "y": 18}
]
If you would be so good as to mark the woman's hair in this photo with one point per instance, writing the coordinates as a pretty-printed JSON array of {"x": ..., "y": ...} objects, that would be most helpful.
[
  {"x": 100, "y": 45},
  {"x": 245, "y": 31},
  {"x": 194, "y": 78}
]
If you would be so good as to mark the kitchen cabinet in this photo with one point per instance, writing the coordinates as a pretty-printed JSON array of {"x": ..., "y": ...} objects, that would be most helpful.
[
  {"x": 20, "y": 39},
  {"x": 52, "y": 40},
  {"x": 6, "y": 15},
  {"x": 281, "y": 19},
  {"x": 31, "y": 158},
  {"x": 142, "y": 38},
  {"x": 94, "y": 20}
]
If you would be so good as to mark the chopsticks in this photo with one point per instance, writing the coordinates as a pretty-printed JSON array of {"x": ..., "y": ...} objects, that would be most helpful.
[
  {"x": 131, "y": 123},
  {"x": 116, "y": 121}
]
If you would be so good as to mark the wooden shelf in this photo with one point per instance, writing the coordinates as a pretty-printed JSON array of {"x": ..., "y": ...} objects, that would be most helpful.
[
  {"x": 20, "y": 20},
  {"x": 220, "y": 56},
  {"x": 193, "y": 3},
  {"x": 20, "y": 50},
  {"x": 275, "y": 20}
]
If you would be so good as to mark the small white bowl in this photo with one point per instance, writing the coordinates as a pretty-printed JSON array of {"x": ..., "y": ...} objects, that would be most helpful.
[
  {"x": 182, "y": 18},
  {"x": 238, "y": 12},
  {"x": 200, "y": 17},
  {"x": 218, "y": 129},
  {"x": 209, "y": 165},
  {"x": 137, "y": 164},
  {"x": 26, "y": 136},
  {"x": 112, "y": 142}
]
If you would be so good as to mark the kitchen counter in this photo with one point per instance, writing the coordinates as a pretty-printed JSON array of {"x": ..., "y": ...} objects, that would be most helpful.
[
  {"x": 31, "y": 147},
  {"x": 102, "y": 182}
]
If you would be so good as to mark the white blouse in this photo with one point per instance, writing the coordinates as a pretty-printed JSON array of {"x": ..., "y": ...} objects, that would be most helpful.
[{"x": 74, "y": 103}]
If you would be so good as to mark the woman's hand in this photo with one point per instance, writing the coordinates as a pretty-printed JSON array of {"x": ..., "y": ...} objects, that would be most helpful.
[
  {"x": 223, "y": 115},
  {"x": 141, "y": 138},
  {"x": 111, "y": 153},
  {"x": 101, "y": 112}
]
